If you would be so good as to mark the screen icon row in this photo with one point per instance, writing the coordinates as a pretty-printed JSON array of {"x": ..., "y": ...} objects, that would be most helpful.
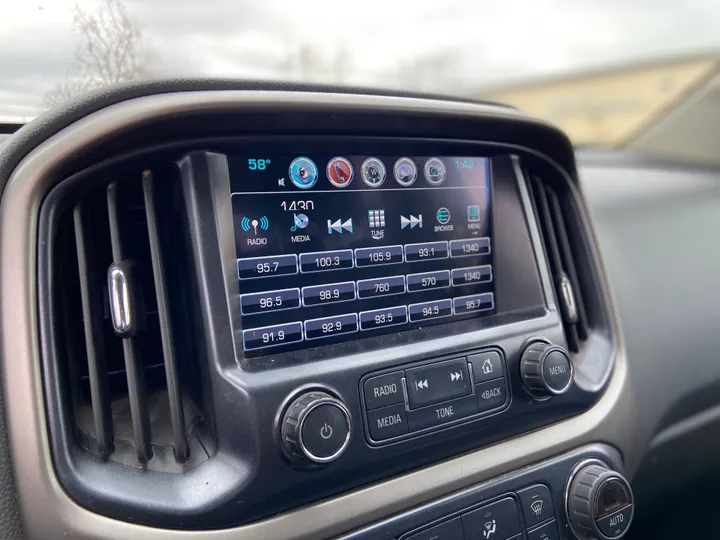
[{"x": 304, "y": 172}]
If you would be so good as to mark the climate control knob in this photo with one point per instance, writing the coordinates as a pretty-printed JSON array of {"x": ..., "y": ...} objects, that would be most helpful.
[
  {"x": 546, "y": 370},
  {"x": 599, "y": 502},
  {"x": 315, "y": 429}
]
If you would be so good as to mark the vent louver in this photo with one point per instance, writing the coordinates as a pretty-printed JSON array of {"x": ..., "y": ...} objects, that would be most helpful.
[
  {"x": 134, "y": 380},
  {"x": 554, "y": 227}
]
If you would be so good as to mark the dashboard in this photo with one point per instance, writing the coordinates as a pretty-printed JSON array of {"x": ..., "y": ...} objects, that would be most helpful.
[{"x": 301, "y": 313}]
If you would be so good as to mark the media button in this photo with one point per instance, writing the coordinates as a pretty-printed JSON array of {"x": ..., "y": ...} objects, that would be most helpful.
[
  {"x": 328, "y": 294},
  {"x": 426, "y": 251},
  {"x": 472, "y": 275},
  {"x": 263, "y": 302},
  {"x": 274, "y": 265},
  {"x": 384, "y": 286},
  {"x": 430, "y": 310},
  {"x": 442, "y": 413},
  {"x": 323, "y": 261},
  {"x": 381, "y": 318},
  {"x": 473, "y": 302},
  {"x": 272, "y": 336},
  {"x": 428, "y": 280},
  {"x": 331, "y": 326},
  {"x": 375, "y": 256},
  {"x": 438, "y": 382},
  {"x": 470, "y": 247},
  {"x": 387, "y": 422}
]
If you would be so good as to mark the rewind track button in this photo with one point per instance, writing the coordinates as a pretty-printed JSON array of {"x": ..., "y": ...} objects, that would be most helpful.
[{"x": 438, "y": 382}]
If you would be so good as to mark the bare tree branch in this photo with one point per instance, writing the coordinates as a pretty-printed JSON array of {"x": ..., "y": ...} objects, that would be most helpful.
[{"x": 109, "y": 51}]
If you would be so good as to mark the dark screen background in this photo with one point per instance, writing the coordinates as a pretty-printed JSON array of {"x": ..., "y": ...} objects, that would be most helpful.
[{"x": 260, "y": 193}]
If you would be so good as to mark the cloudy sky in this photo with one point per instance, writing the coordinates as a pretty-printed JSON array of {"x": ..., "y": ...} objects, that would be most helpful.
[{"x": 447, "y": 45}]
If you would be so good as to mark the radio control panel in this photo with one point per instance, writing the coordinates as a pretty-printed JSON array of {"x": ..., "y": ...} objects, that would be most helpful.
[{"x": 420, "y": 397}]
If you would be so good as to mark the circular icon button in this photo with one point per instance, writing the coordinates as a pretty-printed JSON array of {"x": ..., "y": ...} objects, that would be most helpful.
[
  {"x": 443, "y": 216},
  {"x": 339, "y": 172},
  {"x": 435, "y": 171},
  {"x": 373, "y": 172},
  {"x": 405, "y": 171},
  {"x": 303, "y": 172}
]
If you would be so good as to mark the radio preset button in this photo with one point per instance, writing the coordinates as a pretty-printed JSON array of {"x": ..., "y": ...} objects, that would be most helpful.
[
  {"x": 263, "y": 302},
  {"x": 486, "y": 366},
  {"x": 438, "y": 382},
  {"x": 430, "y": 310},
  {"x": 384, "y": 286},
  {"x": 470, "y": 247},
  {"x": 426, "y": 251},
  {"x": 381, "y": 318},
  {"x": 328, "y": 294},
  {"x": 442, "y": 413},
  {"x": 384, "y": 390},
  {"x": 473, "y": 303},
  {"x": 331, "y": 326},
  {"x": 472, "y": 275},
  {"x": 274, "y": 265},
  {"x": 387, "y": 422},
  {"x": 272, "y": 336},
  {"x": 491, "y": 394},
  {"x": 322, "y": 261},
  {"x": 376, "y": 256},
  {"x": 428, "y": 280}
]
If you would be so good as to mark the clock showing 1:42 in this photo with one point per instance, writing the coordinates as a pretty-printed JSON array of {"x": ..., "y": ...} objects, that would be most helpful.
[{"x": 465, "y": 163}]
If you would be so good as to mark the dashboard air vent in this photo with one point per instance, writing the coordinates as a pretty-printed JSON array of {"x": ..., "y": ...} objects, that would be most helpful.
[
  {"x": 557, "y": 238},
  {"x": 133, "y": 376}
]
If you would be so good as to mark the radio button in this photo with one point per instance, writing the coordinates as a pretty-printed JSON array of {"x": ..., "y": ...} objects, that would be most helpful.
[
  {"x": 274, "y": 265},
  {"x": 382, "y": 318},
  {"x": 473, "y": 303},
  {"x": 426, "y": 251},
  {"x": 384, "y": 390},
  {"x": 470, "y": 247},
  {"x": 328, "y": 294},
  {"x": 271, "y": 336},
  {"x": 331, "y": 326},
  {"x": 491, "y": 394},
  {"x": 387, "y": 422},
  {"x": 442, "y": 413},
  {"x": 486, "y": 366},
  {"x": 472, "y": 275},
  {"x": 323, "y": 261},
  {"x": 385, "y": 286},
  {"x": 375, "y": 256},
  {"x": 263, "y": 302},
  {"x": 428, "y": 280},
  {"x": 438, "y": 382},
  {"x": 430, "y": 310}
]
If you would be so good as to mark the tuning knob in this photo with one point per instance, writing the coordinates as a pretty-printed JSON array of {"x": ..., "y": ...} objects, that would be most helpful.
[
  {"x": 599, "y": 502},
  {"x": 546, "y": 370},
  {"x": 316, "y": 429}
]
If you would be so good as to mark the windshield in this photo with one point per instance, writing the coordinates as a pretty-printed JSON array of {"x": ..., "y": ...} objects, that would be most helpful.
[{"x": 600, "y": 69}]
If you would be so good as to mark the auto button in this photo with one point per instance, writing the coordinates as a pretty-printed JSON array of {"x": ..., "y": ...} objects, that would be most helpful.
[{"x": 438, "y": 382}]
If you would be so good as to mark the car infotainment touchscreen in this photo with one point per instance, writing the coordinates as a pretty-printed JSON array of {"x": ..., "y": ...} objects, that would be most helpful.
[{"x": 340, "y": 247}]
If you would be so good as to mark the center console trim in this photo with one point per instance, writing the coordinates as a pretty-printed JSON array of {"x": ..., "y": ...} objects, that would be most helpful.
[{"x": 49, "y": 512}]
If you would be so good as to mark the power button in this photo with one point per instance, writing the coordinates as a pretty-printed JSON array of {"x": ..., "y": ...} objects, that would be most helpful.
[{"x": 316, "y": 428}]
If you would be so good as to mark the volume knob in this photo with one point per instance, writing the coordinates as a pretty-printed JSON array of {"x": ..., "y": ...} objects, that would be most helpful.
[
  {"x": 546, "y": 370},
  {"x": 316, "y": 429}
]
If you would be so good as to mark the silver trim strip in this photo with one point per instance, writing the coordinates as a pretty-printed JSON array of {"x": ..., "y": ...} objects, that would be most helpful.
[{"x": 49, "y": 512}]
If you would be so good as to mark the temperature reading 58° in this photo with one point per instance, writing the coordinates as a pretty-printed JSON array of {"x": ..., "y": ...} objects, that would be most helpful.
[{"x": 258, "y": 164}]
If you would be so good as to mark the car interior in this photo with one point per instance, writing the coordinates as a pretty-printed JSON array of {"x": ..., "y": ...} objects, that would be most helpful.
[{"x": 245, "y": 309}]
